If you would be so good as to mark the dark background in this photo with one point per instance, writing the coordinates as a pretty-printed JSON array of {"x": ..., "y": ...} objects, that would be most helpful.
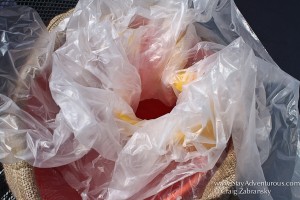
[{"x": 277, "y": 24}]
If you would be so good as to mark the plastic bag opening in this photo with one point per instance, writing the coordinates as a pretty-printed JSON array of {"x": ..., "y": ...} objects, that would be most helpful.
[
  {"x": 152, "y": 109},
  {"x": 107, "y": 66}
]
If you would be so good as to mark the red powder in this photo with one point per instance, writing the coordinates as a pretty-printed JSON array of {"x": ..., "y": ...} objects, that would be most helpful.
[
  {"x": 152, "y": 109},
  {"x": 52, "y": 185}
]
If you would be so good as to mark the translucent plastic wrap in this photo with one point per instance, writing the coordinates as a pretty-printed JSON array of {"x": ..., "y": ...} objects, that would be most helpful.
[
  {"x": 199, "y": 58},
  {"x": 28, "y": 128}
]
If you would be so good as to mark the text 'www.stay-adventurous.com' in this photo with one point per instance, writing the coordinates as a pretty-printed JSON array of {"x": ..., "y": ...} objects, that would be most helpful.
[{"x": 251, "y": 187}]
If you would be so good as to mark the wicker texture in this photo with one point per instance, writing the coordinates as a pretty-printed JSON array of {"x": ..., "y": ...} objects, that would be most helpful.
[
  {"x": 57, "y": 19},
  {"x": 21, "y": 180},
  {"x": 222, "y": 181}
]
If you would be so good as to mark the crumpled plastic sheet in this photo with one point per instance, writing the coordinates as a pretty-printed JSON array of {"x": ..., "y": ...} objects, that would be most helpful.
[{"x": 199, "y": 56}]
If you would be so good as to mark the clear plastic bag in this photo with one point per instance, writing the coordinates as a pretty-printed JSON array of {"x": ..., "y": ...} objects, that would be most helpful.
[
  {"x": 114, "y": 54},
  {"x": 28, "y": 111}
]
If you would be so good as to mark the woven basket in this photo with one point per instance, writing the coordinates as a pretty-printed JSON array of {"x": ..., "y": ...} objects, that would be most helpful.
[{"x": 21, "y": 179}]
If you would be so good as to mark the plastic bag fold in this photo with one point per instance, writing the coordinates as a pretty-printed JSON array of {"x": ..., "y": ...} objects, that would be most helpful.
[{"x": 69, "y": 98}]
